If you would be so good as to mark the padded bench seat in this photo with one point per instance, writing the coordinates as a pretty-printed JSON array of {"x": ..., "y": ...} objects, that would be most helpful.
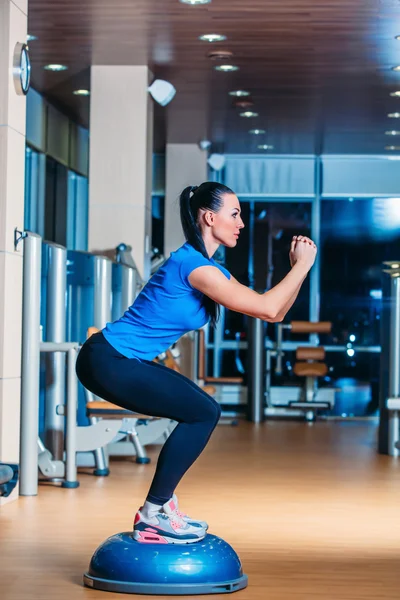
[
  {"x": 309, "y": 369},
  {"x": 221, "y": 380}
]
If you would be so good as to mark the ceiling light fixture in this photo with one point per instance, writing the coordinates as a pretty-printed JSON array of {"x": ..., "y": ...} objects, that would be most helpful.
[
  {"x": 204, "y": 144},
  {"x": 162, "y": 91},
  {"x": 239, "y": 93},
  {"x": 81, "y": 93},
  {"x": 55, "y": 68},
  {"x": 392, "y": 147},
  {"x": 396, "y": 68},
  {"x": 212, "y": 37},
  {"x": 395, "y": 94},
  {"x": 393, "y": 132},
  {"x": 265, "y": 147},
  {"x": 31, "y": 38},
  {"x": 398, "y": 37},
  {"x": 257, "y": 131},
  {"x": 248, "y": 114},
  {"x": 226, "y": 68},
  {"x": 394, "y": 115},
  {"x": 193, "y": 2},
  {"x": 216, "y": 161}
]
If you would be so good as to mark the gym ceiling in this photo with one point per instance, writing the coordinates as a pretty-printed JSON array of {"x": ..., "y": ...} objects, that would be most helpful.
[{"x": 321, "y": 74}]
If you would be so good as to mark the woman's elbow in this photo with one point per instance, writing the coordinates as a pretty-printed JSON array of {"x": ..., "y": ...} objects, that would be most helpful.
[
  {"x": 272, "y": 317},
  {"x": 275, "y": 319},
  {"x": 278, "y": 319}
]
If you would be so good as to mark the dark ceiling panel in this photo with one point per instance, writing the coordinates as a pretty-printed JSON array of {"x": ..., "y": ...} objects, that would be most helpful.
[{"x": 319, "y": 72}]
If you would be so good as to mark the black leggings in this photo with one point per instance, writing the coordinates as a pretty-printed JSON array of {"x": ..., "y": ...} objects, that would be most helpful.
[{"x": 152, "y": 389}]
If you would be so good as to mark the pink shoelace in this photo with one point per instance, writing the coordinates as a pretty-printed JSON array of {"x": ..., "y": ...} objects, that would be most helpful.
[
  {"x": 175, "y": 524},
  {"x": 180, "y": 513}
]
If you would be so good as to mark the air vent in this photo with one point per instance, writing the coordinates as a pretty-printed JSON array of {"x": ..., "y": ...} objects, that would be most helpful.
[
  {"x": 244, "y": 103},
  {"x": 220, "y": 54}
]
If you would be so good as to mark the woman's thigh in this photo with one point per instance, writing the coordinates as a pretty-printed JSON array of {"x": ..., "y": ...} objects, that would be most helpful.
[{"x": 146, "y": 387}]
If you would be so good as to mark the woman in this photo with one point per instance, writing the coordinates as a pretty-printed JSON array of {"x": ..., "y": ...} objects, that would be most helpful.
[{"x": 117, "y": 363}]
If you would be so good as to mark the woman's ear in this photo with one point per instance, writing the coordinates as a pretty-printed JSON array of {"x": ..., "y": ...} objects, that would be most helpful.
[{"x": 209, "y": 218}]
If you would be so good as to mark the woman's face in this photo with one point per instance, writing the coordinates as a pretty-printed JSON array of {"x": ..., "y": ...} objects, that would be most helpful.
[{"x": 227, "y": 223}]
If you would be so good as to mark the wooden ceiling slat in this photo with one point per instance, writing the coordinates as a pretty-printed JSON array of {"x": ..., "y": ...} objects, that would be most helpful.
[{"x": 329, "y": 61}]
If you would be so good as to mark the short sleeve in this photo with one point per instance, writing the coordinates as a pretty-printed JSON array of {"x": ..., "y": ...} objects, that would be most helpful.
[
  {"x": 223, "y": 270},
  {"x": 190, "y": 264}
]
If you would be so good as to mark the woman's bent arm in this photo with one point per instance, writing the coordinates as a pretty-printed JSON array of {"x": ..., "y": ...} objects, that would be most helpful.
[{"x": 235, "y": 296}]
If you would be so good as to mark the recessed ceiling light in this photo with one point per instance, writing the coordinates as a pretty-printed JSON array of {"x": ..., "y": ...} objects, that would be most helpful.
[
  {"x": 249, "y": 114},
  {"x": 265, "y": 147},
  {"x": 226, "y": 68},
  {"x": 239, "y": 93},
  {"x": 392, "y": 147},
  {"x": 212, "y": 37},
  {"x": 395, "y": 93},
  {"x": 257, "y": 131},
  {"x": 55, "y": 68},
  {"x": 394, "y": 115},
  {"x": 398, "y": 37},
  {"x": 396, "y": 68},
  {"x": 393, "y": 132},
  {"x": 81, "y": 93},
  {"x": 31, "y": 38},
  {"x": 195, "y": 1}
]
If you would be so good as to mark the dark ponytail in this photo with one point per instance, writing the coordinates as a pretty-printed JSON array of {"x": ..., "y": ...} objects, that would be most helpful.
[{"x": 208, "y": 196}]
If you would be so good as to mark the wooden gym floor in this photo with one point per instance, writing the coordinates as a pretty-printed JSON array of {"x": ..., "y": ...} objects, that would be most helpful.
[{"x": 312, "y": 511}]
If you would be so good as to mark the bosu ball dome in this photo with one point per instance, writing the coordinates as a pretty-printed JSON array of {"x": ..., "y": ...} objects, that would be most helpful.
[{"x": 121, "y": 564}]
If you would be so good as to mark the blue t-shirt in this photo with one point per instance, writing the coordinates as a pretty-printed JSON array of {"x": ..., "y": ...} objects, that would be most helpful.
[{"x": 166, "y": 308}]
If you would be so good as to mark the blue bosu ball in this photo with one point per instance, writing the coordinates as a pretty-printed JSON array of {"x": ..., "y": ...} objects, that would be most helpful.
[{"x": 121, "y": 564}]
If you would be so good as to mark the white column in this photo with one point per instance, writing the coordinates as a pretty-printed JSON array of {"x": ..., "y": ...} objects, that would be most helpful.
[
  {"x": 13, "y": 25},
  {"x": 120, "y": 163},
  {"x": 186, "y": 165}
]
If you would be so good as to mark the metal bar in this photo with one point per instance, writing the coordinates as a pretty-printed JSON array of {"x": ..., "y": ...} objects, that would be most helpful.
[
  {"x": 394, "y": 375},
  {"x": 279, "y": 346},
  {"x": 271, "y": 156},
  {"x": 315, "y": 274},
  {"x": 256, "y": 368},
  {"x": 129, "y": 287},
  {"x": 141, "y": 455},
  {"x": 367, "y": 349},
  {"x": 394, "y": 365},
  {"x": 286, "y": 345},
  {"x": 30, "y": 365},
  {"x": 346, "y": 197},
  {"x": 58, "y": 346},
  {"x": 250, "y": 266},
  {"x": 56, "y": 321},
  {"x": 356, "y": 157},
  {"x": 195, "y": 357},
  {"x": 218, "y": 338},
  {"x": 276, "y": 197},
  {"x": 100, "y": 459},
  {"x": 102, "y": 291},
  {"x": 268, "y": 377},
  {"x": 72, "y": 407}
]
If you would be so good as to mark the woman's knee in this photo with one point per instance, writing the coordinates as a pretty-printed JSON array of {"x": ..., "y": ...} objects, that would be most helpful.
[
  {"x": 218, "y": 411},
  {"x": 211, "y": 412}
]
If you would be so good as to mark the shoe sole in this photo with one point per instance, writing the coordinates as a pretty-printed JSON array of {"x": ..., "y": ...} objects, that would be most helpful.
[{"x": 144, "y": 537}]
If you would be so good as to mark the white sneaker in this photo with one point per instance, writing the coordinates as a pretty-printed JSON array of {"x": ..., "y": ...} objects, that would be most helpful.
[
  {"x": 163, "y": 528},
  {"x": 173, "y": 507}
]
